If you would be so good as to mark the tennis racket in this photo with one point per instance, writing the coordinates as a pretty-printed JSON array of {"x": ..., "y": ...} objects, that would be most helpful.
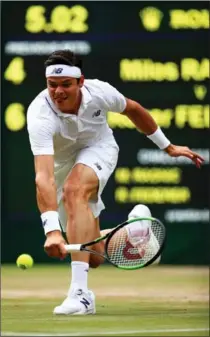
[{"x": 125, "y": 252}]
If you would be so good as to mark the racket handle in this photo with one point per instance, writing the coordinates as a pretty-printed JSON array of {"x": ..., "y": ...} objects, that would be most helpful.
[{"x": 73, "y": 248}]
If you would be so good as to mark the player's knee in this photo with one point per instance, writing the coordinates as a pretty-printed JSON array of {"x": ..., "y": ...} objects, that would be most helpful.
[{"x": 74, "y": 192}]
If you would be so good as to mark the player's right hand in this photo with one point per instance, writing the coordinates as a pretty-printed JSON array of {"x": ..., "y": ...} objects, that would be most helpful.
[{"x": 55, "y": 245}]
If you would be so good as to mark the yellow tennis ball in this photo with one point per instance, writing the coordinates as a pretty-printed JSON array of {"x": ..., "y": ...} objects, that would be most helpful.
[{"x": 24, "y": 261}]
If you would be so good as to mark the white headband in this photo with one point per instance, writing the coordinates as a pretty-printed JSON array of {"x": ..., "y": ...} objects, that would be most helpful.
[{"x": 63, "y": 70}]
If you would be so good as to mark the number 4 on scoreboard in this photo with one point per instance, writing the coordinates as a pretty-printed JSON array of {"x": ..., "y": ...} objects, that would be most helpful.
[{"x": 15, "y": 72}]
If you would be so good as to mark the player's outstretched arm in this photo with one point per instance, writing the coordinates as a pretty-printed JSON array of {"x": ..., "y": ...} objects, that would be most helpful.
[
  {"x": 47, "y": 204},
  {"x": 146, "y": 123}
]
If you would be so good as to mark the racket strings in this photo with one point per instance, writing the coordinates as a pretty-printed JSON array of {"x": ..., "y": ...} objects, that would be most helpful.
[{"x": 124, "y": 251}]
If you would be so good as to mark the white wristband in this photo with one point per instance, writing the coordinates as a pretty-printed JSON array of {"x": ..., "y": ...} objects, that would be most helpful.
[
  {"x": 159, "y": 139},
  {"x": 50, "y": 221}
]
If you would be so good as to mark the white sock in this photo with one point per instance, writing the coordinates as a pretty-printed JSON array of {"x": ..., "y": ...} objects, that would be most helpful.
[{"x": 79, "y": 272}]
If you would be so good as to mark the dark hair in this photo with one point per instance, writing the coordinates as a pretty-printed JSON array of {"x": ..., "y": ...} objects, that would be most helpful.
[{"x": 64, "y": 56}]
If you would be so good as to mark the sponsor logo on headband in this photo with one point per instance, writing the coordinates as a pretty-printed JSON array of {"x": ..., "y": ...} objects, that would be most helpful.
[
  {"x": 63, "y": 70},
  {"x": 57, "y": 71}
]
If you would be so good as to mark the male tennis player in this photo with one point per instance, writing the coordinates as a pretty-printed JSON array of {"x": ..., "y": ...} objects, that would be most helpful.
[{"x": 75, "y": 153}]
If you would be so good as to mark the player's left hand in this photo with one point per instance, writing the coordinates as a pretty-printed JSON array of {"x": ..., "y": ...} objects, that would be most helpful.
[{"x": 177, "y": 151}]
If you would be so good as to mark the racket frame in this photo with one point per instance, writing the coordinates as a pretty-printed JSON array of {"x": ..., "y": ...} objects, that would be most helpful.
[{"x": 108, "y": 236}]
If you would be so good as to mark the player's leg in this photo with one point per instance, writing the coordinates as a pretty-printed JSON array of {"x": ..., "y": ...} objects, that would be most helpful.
[
  {"x": 152, "y": 243},
  {"x": 138, "y": 233},
  {"x": 83, "y": 204},
  {"x": 96, "y": 260},
  {"x": 80, "y": 186}
]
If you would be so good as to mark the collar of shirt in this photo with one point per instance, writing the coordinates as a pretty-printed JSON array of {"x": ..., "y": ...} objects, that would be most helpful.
[{"x": 86, "y": 99}]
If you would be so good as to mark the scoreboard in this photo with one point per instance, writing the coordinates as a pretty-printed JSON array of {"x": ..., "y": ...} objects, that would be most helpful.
[{"x": 153, "y": 52}]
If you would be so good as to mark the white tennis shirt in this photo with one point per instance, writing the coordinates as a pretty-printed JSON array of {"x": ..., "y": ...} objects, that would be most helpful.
[{"x": 53, "y": 132}]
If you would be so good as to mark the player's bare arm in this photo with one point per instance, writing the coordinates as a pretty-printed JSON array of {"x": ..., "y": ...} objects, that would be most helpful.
[
  {"x": 47, "y": 203},
  {"x": 45, "y": 183},
  {"x": 140, "y": 117},
  {"x": 145, "y": 122}
]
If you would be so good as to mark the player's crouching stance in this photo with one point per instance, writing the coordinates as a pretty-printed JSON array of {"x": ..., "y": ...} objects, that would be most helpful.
[{"x": 74, "y": 154}]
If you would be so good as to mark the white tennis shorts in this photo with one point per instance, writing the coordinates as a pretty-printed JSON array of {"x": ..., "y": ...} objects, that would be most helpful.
[{"x": 102, "y": 158}]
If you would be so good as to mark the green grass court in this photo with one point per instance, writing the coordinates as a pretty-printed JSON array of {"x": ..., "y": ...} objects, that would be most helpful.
[{"x": 155, "y": 301}]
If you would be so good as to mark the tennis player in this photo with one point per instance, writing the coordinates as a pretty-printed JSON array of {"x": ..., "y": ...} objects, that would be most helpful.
[{"x": 74, "y": 154}]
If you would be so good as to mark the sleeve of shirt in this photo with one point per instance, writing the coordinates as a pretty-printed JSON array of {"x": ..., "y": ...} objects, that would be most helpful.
[
  {"x": 115, "y": 100},
  {"x": 41, "y": 131}
]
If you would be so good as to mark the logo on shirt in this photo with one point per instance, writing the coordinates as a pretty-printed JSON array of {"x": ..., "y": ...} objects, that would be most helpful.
[
  {"x": 57, "y": 71},
  {"x": 98, "y": 166},
  {"x": 96, "y": 113}
]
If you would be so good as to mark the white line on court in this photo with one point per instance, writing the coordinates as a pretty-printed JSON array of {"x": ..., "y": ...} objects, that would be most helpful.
[{"x": 100, "y": 333}]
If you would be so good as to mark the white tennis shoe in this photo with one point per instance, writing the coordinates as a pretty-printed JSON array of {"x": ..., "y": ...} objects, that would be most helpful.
[
  {"x": 139, "y": 232},
  {"x": 146, "y": 237},
  {"x": 78, "y": 302}
]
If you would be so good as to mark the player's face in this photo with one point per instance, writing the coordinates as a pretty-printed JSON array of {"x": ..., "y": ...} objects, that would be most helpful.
[{"x": 65, "y": 92}]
